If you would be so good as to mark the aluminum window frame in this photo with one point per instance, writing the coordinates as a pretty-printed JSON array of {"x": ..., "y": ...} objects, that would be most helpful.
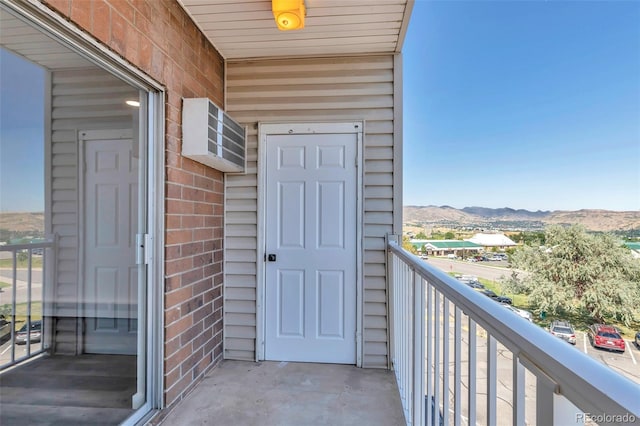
[{"x": 67, "y": 34}]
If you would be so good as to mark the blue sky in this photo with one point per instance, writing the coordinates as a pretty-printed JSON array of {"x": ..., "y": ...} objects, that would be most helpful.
[
  {"x": 21, "y": 135},
  {"x": 523, "y": 104},
  {"x": 532, "y": 105}
]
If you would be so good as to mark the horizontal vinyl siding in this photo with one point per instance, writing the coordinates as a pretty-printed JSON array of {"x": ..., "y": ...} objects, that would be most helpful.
[
  {"x": 88, "y": 99},
  {"x": 310, "y": 90}
]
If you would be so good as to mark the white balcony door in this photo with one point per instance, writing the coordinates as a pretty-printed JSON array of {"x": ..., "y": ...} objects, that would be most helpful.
[
  {"x": 110, "y": 223},
  {"x": 311, "y": 219}
]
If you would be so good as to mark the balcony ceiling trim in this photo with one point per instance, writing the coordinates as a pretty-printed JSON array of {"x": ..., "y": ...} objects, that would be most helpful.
[{"x": 245, "y": 29}]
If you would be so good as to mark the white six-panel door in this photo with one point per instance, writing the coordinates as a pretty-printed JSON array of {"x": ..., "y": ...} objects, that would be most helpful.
[
  {"x": 110, "y": 224},
  {"x": 311, "y": 247}
]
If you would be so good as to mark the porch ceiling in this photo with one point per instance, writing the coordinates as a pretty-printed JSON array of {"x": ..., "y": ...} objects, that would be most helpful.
[
  {"x": 242, "y": 29},
  {"x": 23, "y": 39}
]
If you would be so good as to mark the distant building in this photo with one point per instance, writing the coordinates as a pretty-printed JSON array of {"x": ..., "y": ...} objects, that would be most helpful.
[
  {"x": 492, "y": 240},
  {"x": 445, "y": 247}
]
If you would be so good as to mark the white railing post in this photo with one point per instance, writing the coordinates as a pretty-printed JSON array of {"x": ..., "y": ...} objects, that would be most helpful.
[
  {"x": 429, "y": 354},
  {"x": 14, "y": 290},
  {"x": 545, "y": 389},
  {"x": 49, "y": 274},
  {"x": 457, "y": 379},
  {"x": 29, "y": 290},
  {"x": 445, "y": 361},
  {"x": 410, "y": 336},
  {"x": 418, "y": 350},
  {"x": 391, "y": 300},
  {"x": 471, "y": 365},
  {"x": 565, "y": 413},
  {"x": 407, "y": 335},
  {"x": 435, "y": 396},
  {"x": 518, "y": 393},
  {"x": 492, "y": 390},
  {"x": 401, "y": 328}
]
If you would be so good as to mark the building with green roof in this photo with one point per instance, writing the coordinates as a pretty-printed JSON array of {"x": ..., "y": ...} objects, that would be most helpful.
[{"x": 445, "y": 247}]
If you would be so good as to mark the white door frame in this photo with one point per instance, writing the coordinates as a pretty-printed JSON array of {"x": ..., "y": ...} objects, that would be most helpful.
[{"x": 264, "y": 130}]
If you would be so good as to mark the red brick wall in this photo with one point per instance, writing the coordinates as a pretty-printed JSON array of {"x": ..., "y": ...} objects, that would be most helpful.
[{"x": 159, "y": 38}]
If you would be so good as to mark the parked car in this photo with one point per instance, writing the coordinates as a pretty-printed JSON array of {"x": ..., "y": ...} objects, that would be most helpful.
[
  {"x": 563, "y": 330},
  {"x": 474, "y": 284},
  {"x": 503, "y": 299},
  {"x": 489, "y": 293},
  {"x": 34, "y": 335},
  {"x": 606, "y": 337},
  {"x": 498, "y": 257},
  {"x": 497, "y": 298},
  {"x": 520, "y": 312},
  {"x": 470, "y": 280},
  {"x": 637, "y": 340},
  {"x": 5, "y": 328}
]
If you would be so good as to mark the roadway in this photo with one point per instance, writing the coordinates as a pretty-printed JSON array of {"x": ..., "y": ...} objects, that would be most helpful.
[
  {"x": 488, "y": 270},
  {"x": 6, "y": 275},
  {"x": 22, "y": 274}
]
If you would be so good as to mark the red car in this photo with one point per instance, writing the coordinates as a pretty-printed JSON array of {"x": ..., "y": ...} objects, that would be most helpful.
[{"x": 606, "y": 337}]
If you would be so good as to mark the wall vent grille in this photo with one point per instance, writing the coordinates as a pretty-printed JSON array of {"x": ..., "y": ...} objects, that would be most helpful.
[{"x": 211, "y": 137}]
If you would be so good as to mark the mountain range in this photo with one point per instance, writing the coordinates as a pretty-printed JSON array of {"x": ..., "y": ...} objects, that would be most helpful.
[
  {"x": 508, "y": 218},
  {"x": 476, "y": 217}
]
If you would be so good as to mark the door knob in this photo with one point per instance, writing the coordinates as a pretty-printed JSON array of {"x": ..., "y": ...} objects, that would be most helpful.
[{"x": 271, "y": 257}]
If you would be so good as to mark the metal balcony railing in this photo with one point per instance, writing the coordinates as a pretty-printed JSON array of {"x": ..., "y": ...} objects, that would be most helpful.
[
  {"x": 24, "y": 301},
  {"x": 462, "y": 359}
]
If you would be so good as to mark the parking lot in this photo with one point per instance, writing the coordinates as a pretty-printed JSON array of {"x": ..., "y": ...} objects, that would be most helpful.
[{"x": 625, "y": 363}]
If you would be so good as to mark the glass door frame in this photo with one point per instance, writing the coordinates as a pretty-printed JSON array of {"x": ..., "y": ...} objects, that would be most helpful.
[{"x": 150, "y": 341}]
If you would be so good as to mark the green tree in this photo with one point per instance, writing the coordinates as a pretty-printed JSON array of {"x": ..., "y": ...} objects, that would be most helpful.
[
  {"x": 407, "y": 245},
  {"x": 421, "y": 236},
  {"x": 449, "y": 236},
  {"x": 528, "y": 237},
  {"x": 577, "y": 271},
  {"x": 5, "y": 311},
  {"x": 435, "y": 235}
]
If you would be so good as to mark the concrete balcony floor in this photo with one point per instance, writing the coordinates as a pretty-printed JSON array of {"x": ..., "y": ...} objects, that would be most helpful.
[
  {"x": 286, "y": 393},
  {"x": 68, "y": 390}
]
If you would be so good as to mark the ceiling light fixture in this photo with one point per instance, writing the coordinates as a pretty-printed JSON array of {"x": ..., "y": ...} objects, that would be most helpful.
[
  {"x": 289, "y": 14},
  {"x": 132, "y": 103}
]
